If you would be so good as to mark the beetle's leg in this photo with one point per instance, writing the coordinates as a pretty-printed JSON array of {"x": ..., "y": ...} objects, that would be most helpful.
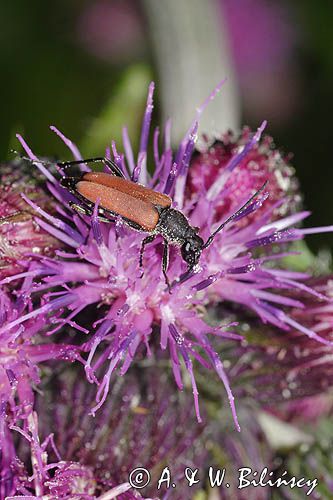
[
  {"x": 80, "y": 210},
  {"x": 145, "y": 242},
  {"x": 20, "y": 216},
  {"x": 86, "y": 211},
  {"x": 165, "y": 263}
]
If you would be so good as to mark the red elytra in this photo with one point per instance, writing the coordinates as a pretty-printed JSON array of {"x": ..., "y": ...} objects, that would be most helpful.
[
  {"x": 128, "y": 199},
  {"x": 132, "y": 188}
]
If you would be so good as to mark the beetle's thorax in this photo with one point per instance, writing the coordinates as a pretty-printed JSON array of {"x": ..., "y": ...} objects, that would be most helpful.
[{"x": 174, "y": 226}]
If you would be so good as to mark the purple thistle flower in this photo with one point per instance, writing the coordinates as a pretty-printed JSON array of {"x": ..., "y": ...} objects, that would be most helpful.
[
  {"x": 21, "y": 354},
  {"x": 10, "y": 467},
  {"x": 308, "y": 397},
  {"x": 16, "y": 400},
  {"x": 20, "y": 235},
  {"x": 100, "y": 268},
  {"x": 143, "y": 423},
  {"x": 252, "y": 162},
  {"x": 64, "y": 480},
  {"x": 289, "y": 375},
  {"x": 281, "y": 373}
]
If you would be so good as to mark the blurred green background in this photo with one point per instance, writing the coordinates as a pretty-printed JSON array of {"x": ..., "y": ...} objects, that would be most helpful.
[{"x": 84, "y": 66}]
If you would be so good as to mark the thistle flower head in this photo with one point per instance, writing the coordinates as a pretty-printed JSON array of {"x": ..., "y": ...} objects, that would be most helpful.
[
  {"x": 22, "y": 352},
  {"x": 10, "y": 467},
  {"x": 308, "y": 380},
  {"x": 143, "y": 423},
  {"x": 100, "y": 268},
  {"x": 35, "y": 476},
  {"x": 236, "y": 166},
  {"x": 21, "y": 355},
  {"x": 291, "y": 375},
  {"x": 20, "y": 234}
]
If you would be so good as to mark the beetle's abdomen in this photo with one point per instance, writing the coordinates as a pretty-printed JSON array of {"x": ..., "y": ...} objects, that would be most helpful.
[
  {"x": 131, "y": 188},
  {"x": 136, "y": 210}
]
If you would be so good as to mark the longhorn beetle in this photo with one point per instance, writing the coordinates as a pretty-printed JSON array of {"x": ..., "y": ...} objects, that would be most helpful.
[{"x": 141, "y": 208}]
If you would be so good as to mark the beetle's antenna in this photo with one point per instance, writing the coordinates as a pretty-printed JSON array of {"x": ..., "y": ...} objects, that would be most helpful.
[
  {"x": 46, "y": 163},
  {"x": 43, "y": 162},
  {"x": 100, "y": 159},
  {"x": 234, "y": 215},
  {"x": 66, "y": 164}
]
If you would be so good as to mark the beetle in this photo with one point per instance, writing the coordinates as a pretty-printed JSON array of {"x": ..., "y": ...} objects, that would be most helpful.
[{"x": 142, "y": 209}]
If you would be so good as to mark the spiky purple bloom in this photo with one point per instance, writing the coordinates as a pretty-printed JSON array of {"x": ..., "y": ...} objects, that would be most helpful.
[
  {"x": 281, "y": 373},
  {"x": 9, "y": 465},
  {"x": 35, "y": 476},
  {"x": 259, "y": 163},
  {"x": 22, "y": 353},
  {"x": 290, "y": 375},
  {"x": 309, "y": 380},
  {"x": 143, "y": 423},
  {"x": 100, "y": 268},
  {"x": 20, "y": 235}
]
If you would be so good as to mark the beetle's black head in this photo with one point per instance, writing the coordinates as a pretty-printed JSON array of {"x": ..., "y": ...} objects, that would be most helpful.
[{"x": 191, "y": 250}]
